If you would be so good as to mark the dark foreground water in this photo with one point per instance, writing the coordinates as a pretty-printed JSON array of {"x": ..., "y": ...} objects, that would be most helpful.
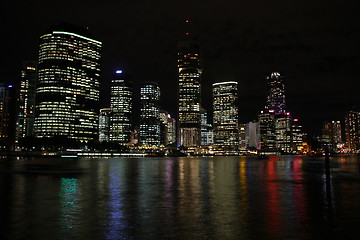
[{"x": 182, "y": 198}]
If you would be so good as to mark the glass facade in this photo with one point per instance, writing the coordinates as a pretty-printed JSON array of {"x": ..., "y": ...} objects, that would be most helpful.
[
  {"x": 104, "y": 125},
  {"x": 150, "y": 114},
  {"x": 189, "y": 94},
  {"x": 267, "y": 130},
  {"x": 352, "y": 130},
  {"x": 275, "y": 99},
  {"x": 225, "y": 114},
  {"x": 283, "y": 135},
  {"x": 26, "y": 101},
  {"x": 7, "y": 117},
  {"x": 121, "y": 108},
  {"x": 67, "y": 92},
  {"x": 204, "y": 127}
]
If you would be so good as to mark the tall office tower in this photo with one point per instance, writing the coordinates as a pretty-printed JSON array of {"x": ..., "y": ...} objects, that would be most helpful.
[
  {"x": 331, "y": 135},
  {"x": 352, "y": 130},
  {"x": 167, "y": 128},
  {"x": 210, "y": 135},
  {"x": 275, "y": 99},
  {"x": 326, "y": 133},
  {"x": 283, "y": 126},
  {"x": 189, "y": 70},
  {"x": 171, "y": 130},
  {"x": 297, "y": 136},
  {"x": 267, "y": 130},
  {"x": 204, "y": 126},
  {"x": 26, "y": 101},
  {"x": 225, "y": 114},
  {"x": 252, "y": 135},
  {"x": 150, "y": 114},
  {"x": 7, "y": 116},
  {"x": 336, "y": 136},
  {"x": 104, "y": 125},
  {"x": 121, "y": 108},
  {"x": 163, "y": 127},
  {"x": 67, "y": 91},
  {"x": 242, "y": 136}
]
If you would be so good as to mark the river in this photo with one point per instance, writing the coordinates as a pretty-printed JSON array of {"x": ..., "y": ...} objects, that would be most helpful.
[{"x": 283, "y": 197}]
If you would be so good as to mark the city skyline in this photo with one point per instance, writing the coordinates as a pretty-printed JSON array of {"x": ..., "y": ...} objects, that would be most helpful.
[{"x": 314, "y": 50}]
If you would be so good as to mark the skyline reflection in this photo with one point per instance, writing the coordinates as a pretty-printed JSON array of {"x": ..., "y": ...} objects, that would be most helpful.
[{"x": 184, "y": 198}]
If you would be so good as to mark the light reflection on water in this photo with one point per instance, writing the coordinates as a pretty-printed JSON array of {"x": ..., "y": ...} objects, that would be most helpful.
[
  {"x": 70, "y": 208},
  {"x": 286, "y": 197}
]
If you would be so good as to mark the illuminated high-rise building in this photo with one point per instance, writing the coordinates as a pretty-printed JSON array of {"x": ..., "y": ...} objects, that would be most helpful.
[
  {"x": 331, "y": 135},
  {"x": 297, "y": 136},
  {"x": 352, "y": 130},
  {"x": 267, "y": 130},
  {"x": 252, "y": 135},
  {"x": 67, "y": 91},
  {"x": 7, "y": 116},
  {"x": 225, "y": 114},
  {"x": 26, "y": 101},
  {"x": 171, "y": 131},
  {"x": 163, "y": 127},
  {"x": 336, "y": 136},
  {"x": 121, "y": 108},
  {"x": 242, "y": 136},
  {"x": 104, "y": 125},
  {"x": 150, "y": 114},
  {"x": 189, "y": 75},
  {"x": 204, "y": 127},
  {"x": 275, "y": 99},
  {"x": 283, "y": 137},
  {"x": 167, "y": 129}
]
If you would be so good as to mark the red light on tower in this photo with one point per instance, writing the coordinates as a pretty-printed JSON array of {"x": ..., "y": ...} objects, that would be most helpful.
[
  {"x": 186, "y": 21},
  {"x": 187, "y": 33}
]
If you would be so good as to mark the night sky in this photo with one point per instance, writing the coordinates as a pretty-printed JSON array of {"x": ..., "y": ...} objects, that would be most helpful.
[{"x": 313, "y": 44}]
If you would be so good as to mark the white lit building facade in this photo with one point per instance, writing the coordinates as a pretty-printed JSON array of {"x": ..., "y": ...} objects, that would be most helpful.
[
  {"x": 121, "y": 108},
  {"x": 283, "y": 137},
  {"x": 189, "y": 70},
  {"x": 67, "y": 95},
  {"x": 150, "y": 114},
  {"x": 225, "y": 114}
]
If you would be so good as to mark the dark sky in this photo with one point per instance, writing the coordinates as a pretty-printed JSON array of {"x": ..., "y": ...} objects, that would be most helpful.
[{"x": 314, "y": 44}]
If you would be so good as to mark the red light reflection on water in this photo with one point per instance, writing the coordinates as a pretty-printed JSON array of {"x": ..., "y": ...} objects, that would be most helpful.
[
  {"x": 299, "y": 194},
  {"x": 273, "y": 220}
]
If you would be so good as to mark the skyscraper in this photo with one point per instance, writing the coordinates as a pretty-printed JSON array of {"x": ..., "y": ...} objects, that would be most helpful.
[
  {"x": 7, "y": 116},
  {"x": 26, "y": 101},
  {"x": 297, "y": 136},
  {"x": 204, "y": 127},
  {"x": 150, "y": 114},
  {"x": 275, "y": 99},
  {"x": 331, "y": 135},
  {"x": 171, "y": 130},
  {"x": 67, "y": 92},
  {"x": 283, "y": 137},
  {"x": 352, "y": 130},
  {"x": 225, "y": 114},
  {"x": 121, "y": 108},
  {"x": 104, "y": 125},
  {"x": 267, "y": 130},
  {"x": 189, "y": 70},
  {"x": 167, "y": 128}
]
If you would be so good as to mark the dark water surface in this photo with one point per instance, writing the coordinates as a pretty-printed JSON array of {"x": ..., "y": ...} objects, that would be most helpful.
[{"x": 287, "y": 197}]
